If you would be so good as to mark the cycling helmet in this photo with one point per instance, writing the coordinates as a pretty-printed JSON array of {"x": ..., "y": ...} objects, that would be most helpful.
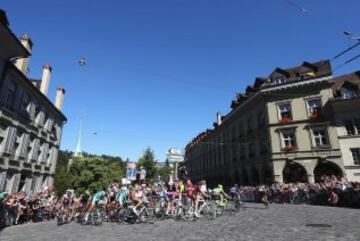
[{"x": 220, "y": 186}]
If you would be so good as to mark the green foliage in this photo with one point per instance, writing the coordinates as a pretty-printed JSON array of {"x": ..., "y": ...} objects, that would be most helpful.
[
  {"x": 63, "y": 159},
  {"x": 92, "y": 172},
  {"x": 148, "y": 162},
  {"x": 164, "y": 172},
  {"x": 62, "y": 180}
]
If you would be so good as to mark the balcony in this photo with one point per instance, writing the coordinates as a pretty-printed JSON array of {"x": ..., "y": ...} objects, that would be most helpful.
[
  {"x": 289, "y": 148},
  {"x": 286, "y": 119},
  {"x": 314, "y": 115}
]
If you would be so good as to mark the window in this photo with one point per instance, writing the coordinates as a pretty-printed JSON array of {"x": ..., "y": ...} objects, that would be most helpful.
[
  {"x": 251, "y": 150},
  {"x": 347, "y": 94},
  {"x": 234, "y": 153},
  {"x": 10, "y": 140},
  {"x": 263, "y": 147},
  {"x": 36, "y": 109},
  {"x": 285, "y": 112},
  {"x": 356, "y": 155},
  {"x": 249, "y": 125},
  {"x": 319, "y": 137},
  {"x": 233, "y": 134},
  {"x": 242, "y": 152},
  {"x": 10, "y": 95},
  {"x": 357, "y": 126},
  {"x": 288, "y": 142},
  {"x": 352, "y": 127},
  {"x": 261, "y": 120},
  {"x": 314, "y": 107},
  {"x": 279, "y": 80},
  {"x": 306, "y": 75},
  {"x": 241, "y": 129},
  {"x": 25, "y": 105}
]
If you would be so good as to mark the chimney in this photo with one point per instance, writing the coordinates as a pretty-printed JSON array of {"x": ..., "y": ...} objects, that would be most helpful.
[
  {"x": 59, "y": 100},
  {"x": 218, "y": 118},
  {"x": 45, "y": 81},
  {"x": 23, "y": 63}
]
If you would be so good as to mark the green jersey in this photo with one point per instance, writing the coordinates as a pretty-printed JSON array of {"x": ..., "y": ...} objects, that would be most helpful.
[{"x": 218, "y": 190}]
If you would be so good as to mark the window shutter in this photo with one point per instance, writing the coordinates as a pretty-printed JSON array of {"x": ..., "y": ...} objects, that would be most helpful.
[
  {"x": 2, "y": 181},
  {"x": 25, "y": 145},
  {"x": 16, "y": 182},
  {"x": 35, "y": 150},
  {"x": 32, "y": 111},
  {"x": 10, "y": 140},
  {"x": 51, "y": 156},
  {"x": 44, "y": 152},
  {"x": 28, "y": 184}
]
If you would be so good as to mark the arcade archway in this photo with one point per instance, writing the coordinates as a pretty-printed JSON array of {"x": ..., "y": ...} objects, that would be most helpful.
[
  {"x": 327, "y": 169},
  {"x": 294, "y": 172}
]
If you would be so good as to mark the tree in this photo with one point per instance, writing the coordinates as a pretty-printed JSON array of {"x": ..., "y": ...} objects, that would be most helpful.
[
  {"x": 62, "y": 180},
  {"x": 92, "y": 172},
  {"x": 164, "y": 172},
  {"x": 147, "y": 161},
  {"x": 63, "y": 159}
]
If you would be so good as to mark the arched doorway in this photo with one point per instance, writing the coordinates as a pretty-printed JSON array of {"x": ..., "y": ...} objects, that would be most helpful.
[
  {"x": 327, "y": 169},
  {"x": 244, "y": 177},
  {"x": 294, "y": 172},
  {"x": 268, "y": 175},
  {"x": 255, "y": 179}
]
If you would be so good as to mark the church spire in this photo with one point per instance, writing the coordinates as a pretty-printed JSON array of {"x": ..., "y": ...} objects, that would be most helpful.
[{"x": 78, "y": 151}]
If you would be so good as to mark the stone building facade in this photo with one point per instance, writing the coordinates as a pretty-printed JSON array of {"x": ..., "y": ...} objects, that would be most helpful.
[
  {"x": 277, "y": 130},
  {"x": 344, "y": 112},
  {"x": 30, "y": 124}
]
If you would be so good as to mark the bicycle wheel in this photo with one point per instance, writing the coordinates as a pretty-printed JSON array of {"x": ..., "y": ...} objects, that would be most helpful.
[
  {"x": 207, "y": 212},
  {"x": 160, "y": 212},
  {"x": 147, "y": 216},
  {"x": 98, "y": 217}
]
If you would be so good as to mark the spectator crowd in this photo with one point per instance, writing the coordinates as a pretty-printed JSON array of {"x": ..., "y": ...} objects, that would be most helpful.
[
  {"x": 331, "y": 190},
  {"x": 21, "y": 207}
]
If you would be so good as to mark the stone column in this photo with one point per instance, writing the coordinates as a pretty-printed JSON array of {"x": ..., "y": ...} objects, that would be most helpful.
[
  {"x": 278, "y": 170},
  {"x": 311, "y": 178}
]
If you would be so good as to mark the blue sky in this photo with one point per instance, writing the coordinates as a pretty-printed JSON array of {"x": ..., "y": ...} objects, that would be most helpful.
[{"x": 158, "y": 70}]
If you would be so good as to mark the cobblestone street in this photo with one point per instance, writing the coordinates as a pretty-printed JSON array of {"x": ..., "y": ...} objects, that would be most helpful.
[{"x": 280, "y": 222}]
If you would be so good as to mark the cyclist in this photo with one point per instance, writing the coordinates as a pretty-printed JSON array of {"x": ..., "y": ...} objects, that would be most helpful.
[
  {"x": 137, "y": 197},
  {"x": 219, "y": 192},
  {"x": 100, "y": 198},
  {"x": 235, "y": 192},
  {"x": 181, "y": 189},
  {"x": 200, "y": 196},
  {"x": 263, "y": 196},
  {"x": 123, "y": 195},
  {"x": 84, "y": 202},
  {"x": 67, "y": 201}
]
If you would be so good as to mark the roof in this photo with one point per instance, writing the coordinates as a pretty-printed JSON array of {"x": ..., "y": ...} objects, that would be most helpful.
[
  {"x": 44, "y": 97},
  {"x": 321, "y": 69},
  {"x": 14, "y": 47},
  {"x": 353, "y": 78},
  {"x": 3, "y": 18}
]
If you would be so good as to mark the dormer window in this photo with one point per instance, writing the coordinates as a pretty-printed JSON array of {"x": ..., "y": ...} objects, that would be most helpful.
[
  {"x": 348, "y": 90},
  {"x": 347, "y": 94},
  {"x": 306, "y": 75},
  {"x": 279, "y": 80}
]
